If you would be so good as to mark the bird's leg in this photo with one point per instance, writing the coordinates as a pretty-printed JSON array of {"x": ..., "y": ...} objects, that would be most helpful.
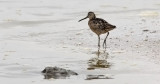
[
  {"x": 98, "y": 42},
  {"x": 104, "y": 43},
  {"x": 98, "y": 53},
  {"x": 98, "y": 45}
]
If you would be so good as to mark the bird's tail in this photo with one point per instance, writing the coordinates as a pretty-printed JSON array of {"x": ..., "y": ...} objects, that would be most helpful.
[
  {"x": 114, "y": 26},
  {"x": 111, "y": 27}
]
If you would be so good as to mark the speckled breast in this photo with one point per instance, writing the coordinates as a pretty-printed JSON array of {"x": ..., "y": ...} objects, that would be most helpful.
[{"x": 95, "y": 28}]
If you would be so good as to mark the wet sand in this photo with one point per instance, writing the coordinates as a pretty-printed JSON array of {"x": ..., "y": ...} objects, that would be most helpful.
[{"x": 36, "y": 34}]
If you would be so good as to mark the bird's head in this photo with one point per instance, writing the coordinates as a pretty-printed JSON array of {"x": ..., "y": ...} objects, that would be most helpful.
[{"x": 90, "y": 15}]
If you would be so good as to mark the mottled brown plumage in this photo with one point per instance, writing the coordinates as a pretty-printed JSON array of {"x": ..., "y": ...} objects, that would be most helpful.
[{"x": 99, "y": 26}]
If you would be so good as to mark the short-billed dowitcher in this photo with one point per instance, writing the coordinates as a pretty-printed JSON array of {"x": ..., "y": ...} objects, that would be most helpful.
[{"x": 99, "y": 26}]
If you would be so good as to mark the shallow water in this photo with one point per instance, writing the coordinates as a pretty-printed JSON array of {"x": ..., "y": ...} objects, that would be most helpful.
[{"x": 36, "y": 34}]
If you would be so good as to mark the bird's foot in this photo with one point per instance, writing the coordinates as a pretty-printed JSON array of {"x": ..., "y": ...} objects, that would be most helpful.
[
  {"x": 104, "y": 44},
  {"x": 98, "y": 47},
  {"x": 98, "y": 53}
]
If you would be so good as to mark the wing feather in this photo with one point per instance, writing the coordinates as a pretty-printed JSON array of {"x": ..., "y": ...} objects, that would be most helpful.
[{"x": 101, "y": 24}]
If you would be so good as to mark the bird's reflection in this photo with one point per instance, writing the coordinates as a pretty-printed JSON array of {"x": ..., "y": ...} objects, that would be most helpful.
[
  {"x": 99, "y": 62},
  {"x": 91, "y": 77}
]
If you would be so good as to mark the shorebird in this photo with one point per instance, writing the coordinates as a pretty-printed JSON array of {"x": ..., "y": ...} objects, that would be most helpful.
[{"x": 99, "y": 26}]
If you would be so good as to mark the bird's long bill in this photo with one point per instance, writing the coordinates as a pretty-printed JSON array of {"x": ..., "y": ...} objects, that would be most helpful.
[{"x": 83, "y": 19}]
